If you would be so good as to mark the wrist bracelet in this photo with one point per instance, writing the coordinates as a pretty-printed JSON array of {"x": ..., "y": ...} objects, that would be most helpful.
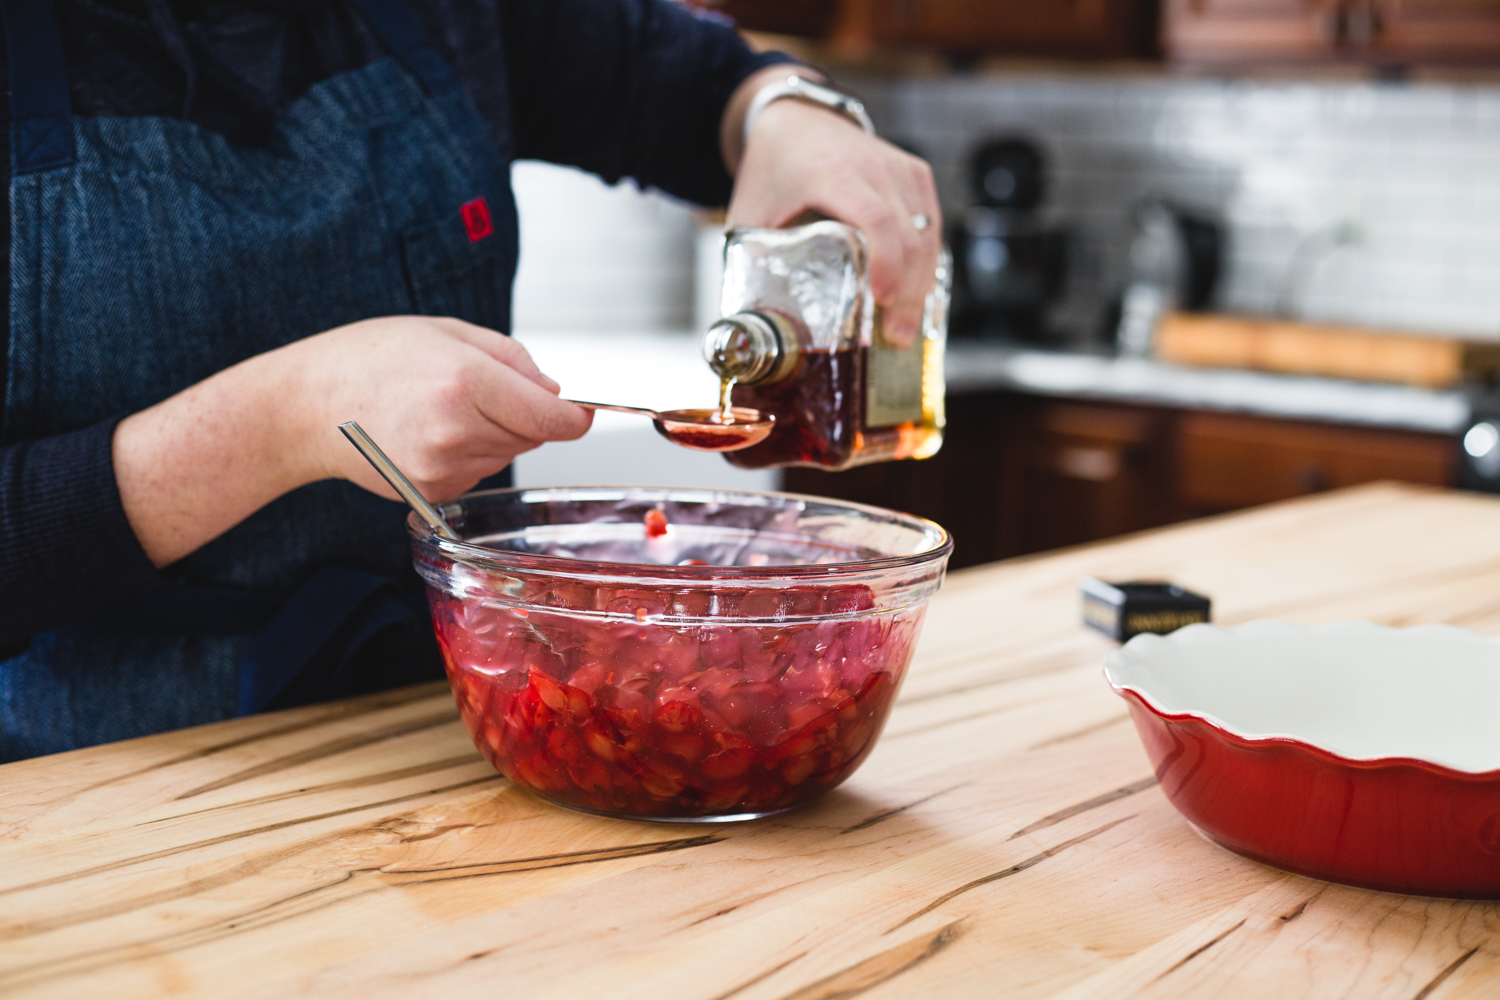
[{"x": 798, "y": 88}]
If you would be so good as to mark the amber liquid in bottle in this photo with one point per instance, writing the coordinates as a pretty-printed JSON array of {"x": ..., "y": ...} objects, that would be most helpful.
[{"x": 822, "y": 414}]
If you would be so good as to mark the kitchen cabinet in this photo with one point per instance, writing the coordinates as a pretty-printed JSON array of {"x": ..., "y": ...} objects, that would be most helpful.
[
  {"x": 1214, "y": 31},
  {"x": 1021, "y": 474},
  {"x": 1100, "y": 28},
  {"x": 1381, "y": 32},
  {"x": 807, "y": 18},
  {"x": 1018, "y": 474},
  {"x": 1384, "y": 33},
  {"x": 1435, "y": 31},
  {"x": 1080, "y": 28},
  {"x": 1226, "y": 462},
  {"x": 1076, "y": 472}
]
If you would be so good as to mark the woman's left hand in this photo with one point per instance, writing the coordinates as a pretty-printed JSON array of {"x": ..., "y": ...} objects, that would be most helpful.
[{"x": 801, "y": 157}]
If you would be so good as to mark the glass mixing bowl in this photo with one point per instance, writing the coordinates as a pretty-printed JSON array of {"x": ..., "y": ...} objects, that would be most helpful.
[{"x": 676, "y": 654}]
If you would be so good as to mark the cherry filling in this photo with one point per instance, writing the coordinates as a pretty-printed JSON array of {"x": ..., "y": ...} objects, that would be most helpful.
[
  {"x": 712, "y": 438},
  {"x": 671, "y": 720}
]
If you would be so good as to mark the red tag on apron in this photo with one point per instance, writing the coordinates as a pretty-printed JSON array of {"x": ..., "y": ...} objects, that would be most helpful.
[{"x": 476, "y": 215}]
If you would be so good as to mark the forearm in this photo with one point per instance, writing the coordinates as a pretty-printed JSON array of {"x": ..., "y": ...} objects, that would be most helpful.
[
  {"x": 732, "y": 126},
  {"x": 450, "y": 403},
  {"x": 197, "y": 464}
]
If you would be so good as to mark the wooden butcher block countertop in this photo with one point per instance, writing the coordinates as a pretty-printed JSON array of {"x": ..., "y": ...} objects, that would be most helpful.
[{"x": 1006, "y": 838}]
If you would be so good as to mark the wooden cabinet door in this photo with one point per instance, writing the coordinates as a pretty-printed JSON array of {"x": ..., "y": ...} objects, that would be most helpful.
[
  {"x": 1117, "y": 28},
  {"x": 1380, "y": 32},
  {"x": 808, "y": 18},
  {"x": 1078, "y": 472},
  {"x": 1433, "y": 31},
  {"x": 1226, "y": 462},
  {"x": 1018, "y": 474},
  {"x": 1246, "y": 31}
]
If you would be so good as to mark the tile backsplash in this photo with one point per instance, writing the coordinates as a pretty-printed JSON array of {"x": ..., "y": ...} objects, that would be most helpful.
[{"x": 1367, "y": 203}]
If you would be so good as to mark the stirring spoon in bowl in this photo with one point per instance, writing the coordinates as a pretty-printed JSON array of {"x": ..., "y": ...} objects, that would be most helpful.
[
  {"x": 383, "y": 465},
  {"x": 701, "y": 430}
]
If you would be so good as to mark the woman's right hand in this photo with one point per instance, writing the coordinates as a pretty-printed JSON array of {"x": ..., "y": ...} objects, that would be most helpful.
[{"x": 448, "y": 401}]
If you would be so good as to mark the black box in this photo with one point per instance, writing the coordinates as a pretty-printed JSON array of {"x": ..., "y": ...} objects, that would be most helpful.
[{"x": 1121, "y": 610}]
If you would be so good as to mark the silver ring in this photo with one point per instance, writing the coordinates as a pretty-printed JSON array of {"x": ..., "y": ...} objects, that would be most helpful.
[{"x": 921, "y": 221}]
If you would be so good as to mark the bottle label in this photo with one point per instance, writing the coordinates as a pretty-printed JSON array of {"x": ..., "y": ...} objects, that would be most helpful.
[{"x": 893, "y": 384}]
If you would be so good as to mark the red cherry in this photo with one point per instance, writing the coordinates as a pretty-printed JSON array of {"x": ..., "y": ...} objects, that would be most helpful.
[
  {"x": 661, "y": 787},
  {"x": 845, "y": 600},
  {"x": 591, "y": 776},
  {"x": 677, "y": 716},
  {"x": 726, "y": 798},
  {"x": 692, "y": 603},
  {"x": 551, "y": 692},
  {"x": 687, "y": 746},
  {"x": 649, "y": 718},
  {"x": 804, "y": 601},
  {"x": 796, "y": 770},
  {"x": 565, "y": 743},
  {"x": 601, "y": 745}
]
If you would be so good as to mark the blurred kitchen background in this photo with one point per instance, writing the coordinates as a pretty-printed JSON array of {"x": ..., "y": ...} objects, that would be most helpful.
[{"x": 1210, "y": 253}]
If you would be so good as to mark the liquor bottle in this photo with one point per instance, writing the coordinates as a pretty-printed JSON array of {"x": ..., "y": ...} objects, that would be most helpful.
[{"x": 801, "y": 339}]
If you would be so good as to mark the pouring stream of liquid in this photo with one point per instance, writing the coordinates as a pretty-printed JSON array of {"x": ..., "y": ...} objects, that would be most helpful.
[{"x": 726, "y": 386}]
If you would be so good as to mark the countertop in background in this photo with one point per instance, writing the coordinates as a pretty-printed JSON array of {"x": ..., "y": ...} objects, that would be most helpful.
[
  {"x": 664, "y": 369},
  {"x": 976, "y": 366}
]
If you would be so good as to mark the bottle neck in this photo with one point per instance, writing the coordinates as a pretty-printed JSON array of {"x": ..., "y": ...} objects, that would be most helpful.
[{"x": 750, "y": 348}]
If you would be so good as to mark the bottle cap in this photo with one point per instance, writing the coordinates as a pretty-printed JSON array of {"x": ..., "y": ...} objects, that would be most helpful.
[{"x": 749, "y": 347}]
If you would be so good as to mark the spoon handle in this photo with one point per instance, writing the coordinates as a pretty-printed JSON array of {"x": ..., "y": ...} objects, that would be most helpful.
[
  {"x": 426, "y": 511},
  {"x": 638, "y": 410}
]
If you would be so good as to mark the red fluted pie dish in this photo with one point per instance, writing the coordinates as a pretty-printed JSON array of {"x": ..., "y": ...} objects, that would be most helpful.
[{"x": 1350, "y": 752}]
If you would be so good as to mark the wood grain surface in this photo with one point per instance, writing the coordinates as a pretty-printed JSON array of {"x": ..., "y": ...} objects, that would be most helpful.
[{"x": 1006, "y": 838}]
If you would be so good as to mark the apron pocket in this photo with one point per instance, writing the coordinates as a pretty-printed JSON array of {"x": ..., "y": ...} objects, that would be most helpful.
[{"x": 456, "y": 268}]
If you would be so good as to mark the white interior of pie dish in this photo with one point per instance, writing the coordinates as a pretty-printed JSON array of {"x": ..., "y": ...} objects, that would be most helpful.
[{"x": 1360, "y": 690}]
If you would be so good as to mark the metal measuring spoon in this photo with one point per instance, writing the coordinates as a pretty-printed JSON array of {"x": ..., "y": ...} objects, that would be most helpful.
[
  {"x": 701, "y": 430},
  {"x": 368, "y": 448}
]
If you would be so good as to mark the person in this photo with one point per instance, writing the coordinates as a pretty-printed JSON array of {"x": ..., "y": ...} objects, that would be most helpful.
[{"x": 235, "y": 224}]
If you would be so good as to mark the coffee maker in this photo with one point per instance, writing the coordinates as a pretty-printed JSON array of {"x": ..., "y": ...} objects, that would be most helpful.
[
  {"x": 1176, "y": 256},
  {"x": 1010, "y": 267}
]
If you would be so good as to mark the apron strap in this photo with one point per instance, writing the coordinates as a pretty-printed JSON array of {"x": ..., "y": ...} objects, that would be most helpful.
[
  {"x": 41, "y": 117},
  {"x": 41, "y": 114},
  {"x": 404, "y": 35}
]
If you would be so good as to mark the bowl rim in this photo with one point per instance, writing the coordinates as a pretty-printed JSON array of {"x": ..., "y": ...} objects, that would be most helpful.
[
  {"x": 423, "y": 534},
  {"x": 1270, "y": 626}
]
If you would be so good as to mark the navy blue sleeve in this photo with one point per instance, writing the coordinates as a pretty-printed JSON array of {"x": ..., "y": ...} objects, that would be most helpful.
[
  {"x": 626, "y": 88},
  {"x": 66, "y": 547}
]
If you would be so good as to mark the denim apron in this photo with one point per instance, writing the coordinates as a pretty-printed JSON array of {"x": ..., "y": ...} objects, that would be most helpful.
[{"x": 148, "y": 254}]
